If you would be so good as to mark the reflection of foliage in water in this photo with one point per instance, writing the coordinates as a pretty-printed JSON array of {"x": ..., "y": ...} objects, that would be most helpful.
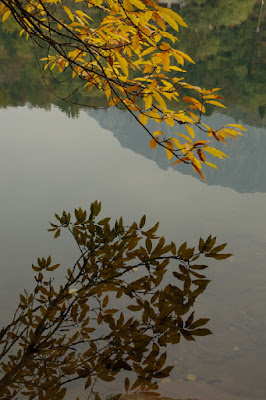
[
  {"x": 21, "y": 81},
  {"x": 114, "y": 316},
  {"x": 230, "y": 55},
  {"x": 219, "y": 12}
]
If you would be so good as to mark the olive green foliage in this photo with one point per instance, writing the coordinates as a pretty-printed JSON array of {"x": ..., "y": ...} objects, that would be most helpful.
[
  {"x": 230, "y": 54},
  {"x": 22, "y": 80},
  {"x": 222, "y": 12},
  {"x": 114, "y": 315}
]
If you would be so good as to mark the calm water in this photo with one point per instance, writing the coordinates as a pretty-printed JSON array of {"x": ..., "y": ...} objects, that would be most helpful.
[{"x": 50, "y": 162}]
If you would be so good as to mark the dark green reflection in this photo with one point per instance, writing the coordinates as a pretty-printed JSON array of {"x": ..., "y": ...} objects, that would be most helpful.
[
  {"x": 113, "y": 316},
  {"x": 21, "y": 79},
  {"x": 227, "y": 41}
]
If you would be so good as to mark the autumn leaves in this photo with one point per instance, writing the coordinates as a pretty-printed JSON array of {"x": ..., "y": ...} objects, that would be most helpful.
[{"x": 130, "y": 54}]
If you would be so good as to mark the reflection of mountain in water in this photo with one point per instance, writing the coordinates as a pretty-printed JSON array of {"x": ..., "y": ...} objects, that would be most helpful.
[{"x": 244, "y": 171}]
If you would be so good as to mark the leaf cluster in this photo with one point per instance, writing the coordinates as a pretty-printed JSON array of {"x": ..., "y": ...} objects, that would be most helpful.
[{"x": 131, "y": 35}]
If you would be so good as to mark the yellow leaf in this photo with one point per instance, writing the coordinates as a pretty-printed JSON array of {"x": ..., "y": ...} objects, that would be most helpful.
[
  {"x": 174, "y": 68},
  {"x": 169, "y": 154},
  {"x": 127, "y": 6},
  {"x": 231, "y": 132},
  {"x": 198, "y": 105},
  {"x": 69, "y": 13},
  {"x": 215, "y": 152},
  {"x": 6, "y": 15},
  {"x": 148, "y": 102},
  {"x": 213, "y": 90},
  {"x": 212, "y": 96},
  {"x": 177, "y": 143},
  {"x": 133, "y": 107},
  {"x": 114, "y": 101},
  {"x": 185, "y": 56},
  {"x": 175, "y": 16},
  {"x": 198, "y": 171},
  {"x": 206, "y": 126},
  {"x": 132, "y": 88},
  {"x": 143, "y": 119},
  {"x": 123, "y": 63},
  {"x": 135, "y": 42},
  {"x": 170, "y": 21},
  {"x": 138, "y": 4},
  {"x": 179, "y": 59},
  {"x": 190, "y": 131},
  {"x": 158, "y": 133},
  {"x": 210, "y": 164},
  {"x": 153, "y": 143},
  {"x": 183, "y": 117},
  {"x": 159, "y": 21},
  {"x": 184, "y": 136},
  {"x": 159, "y": 98},
  {"x": 82, "y": 15},
  {"x": 164, "y": 46},
  {"x": 177, "y": 162},
  {"x": 237, "y": 126},
  {"x": 193, "y": 116},
  {"x": 170, "y": 147},
  {"x": 148, "y": 51},
  {"x": 148, "y": 68},
  {"x": 165, "y": 59},
  {"x": 155, "y": 116},
  {"x": 197, "y": 163},
  {"x": 169, "y": 36},
  {"x": 215, "y": 103},
  {"x": 170, "y": 121}
]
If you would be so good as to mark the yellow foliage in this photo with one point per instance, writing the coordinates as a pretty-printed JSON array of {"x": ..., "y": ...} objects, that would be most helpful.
[{"x": 130, "y": 39}]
